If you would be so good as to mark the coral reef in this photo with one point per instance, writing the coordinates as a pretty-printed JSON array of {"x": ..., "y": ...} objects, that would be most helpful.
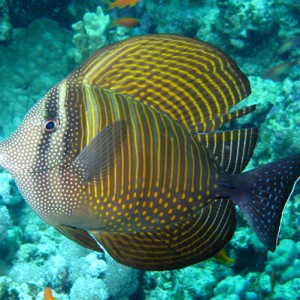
[
  {"x": 90, "y": 34},
  {"x": 47, "y": 258},
  {"x": 40, "y": 47},
  {"x": 241, "y": 21},
  {"x": 9, "y": 194},
  {"x": 233, "y": 287},
  {"x": 277, "y": 118},
  {"x": 29, "y": 67},
  {"x": 5, "y": 222},
  {"x": 284, "y": 262},
  {"x": 96, "y": 289},
  {"x": 58, "y": 11},
  {"x": 5, "y": 25}
]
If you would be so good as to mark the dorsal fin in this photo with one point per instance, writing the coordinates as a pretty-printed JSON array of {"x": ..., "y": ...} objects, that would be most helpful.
[
  {"x": 97, "y": 158},
  {"x": 231, "y": 149},
  {"x": 187, "y": 79}
]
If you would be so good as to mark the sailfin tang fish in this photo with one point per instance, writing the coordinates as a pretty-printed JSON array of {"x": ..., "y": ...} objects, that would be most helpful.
[{"x": 125, "y": 154}]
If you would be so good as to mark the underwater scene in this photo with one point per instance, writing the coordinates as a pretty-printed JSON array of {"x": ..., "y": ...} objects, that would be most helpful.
[{"x": 194, "y": 107}]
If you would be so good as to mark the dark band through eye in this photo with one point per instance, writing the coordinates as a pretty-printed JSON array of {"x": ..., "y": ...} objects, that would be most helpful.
[{"x": 51, "y": 125}]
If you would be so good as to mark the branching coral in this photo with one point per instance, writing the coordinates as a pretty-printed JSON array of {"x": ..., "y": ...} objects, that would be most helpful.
[{"x": 89, "y": 34}]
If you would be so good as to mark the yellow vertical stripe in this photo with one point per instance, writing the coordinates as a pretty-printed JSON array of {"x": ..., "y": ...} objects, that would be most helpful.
[
  {"x": 135, "y": 148},
  {"x": 144, "y": 164},
  {"x": 178, "y": 161},
  {"x": 186, "y": 162},
  {"x": 150, "y": 149},
  {"x": 192, "y": 171},
  {"x": 158, "y": 150},
  {"x": 166, "y": 154}
]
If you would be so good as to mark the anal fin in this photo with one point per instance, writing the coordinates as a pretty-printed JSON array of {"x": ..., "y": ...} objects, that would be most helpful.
[{"x": 177, "y": 245}]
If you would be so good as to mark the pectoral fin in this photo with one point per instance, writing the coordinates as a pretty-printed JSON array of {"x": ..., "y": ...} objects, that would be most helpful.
[{"x": 98, "y": 157}]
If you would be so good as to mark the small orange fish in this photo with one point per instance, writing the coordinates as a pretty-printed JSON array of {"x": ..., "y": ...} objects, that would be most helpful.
[
  {"x": 125, "y": 22},
  {"x": 121, "y": 3},
  {"x": 48, "y": 294}
]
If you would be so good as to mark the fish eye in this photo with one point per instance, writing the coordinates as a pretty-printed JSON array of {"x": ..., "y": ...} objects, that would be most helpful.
[{"x": 51, "y": 125}]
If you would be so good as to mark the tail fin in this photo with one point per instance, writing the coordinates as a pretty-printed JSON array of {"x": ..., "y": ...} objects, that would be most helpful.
[{"x": 265, "y": 193}]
